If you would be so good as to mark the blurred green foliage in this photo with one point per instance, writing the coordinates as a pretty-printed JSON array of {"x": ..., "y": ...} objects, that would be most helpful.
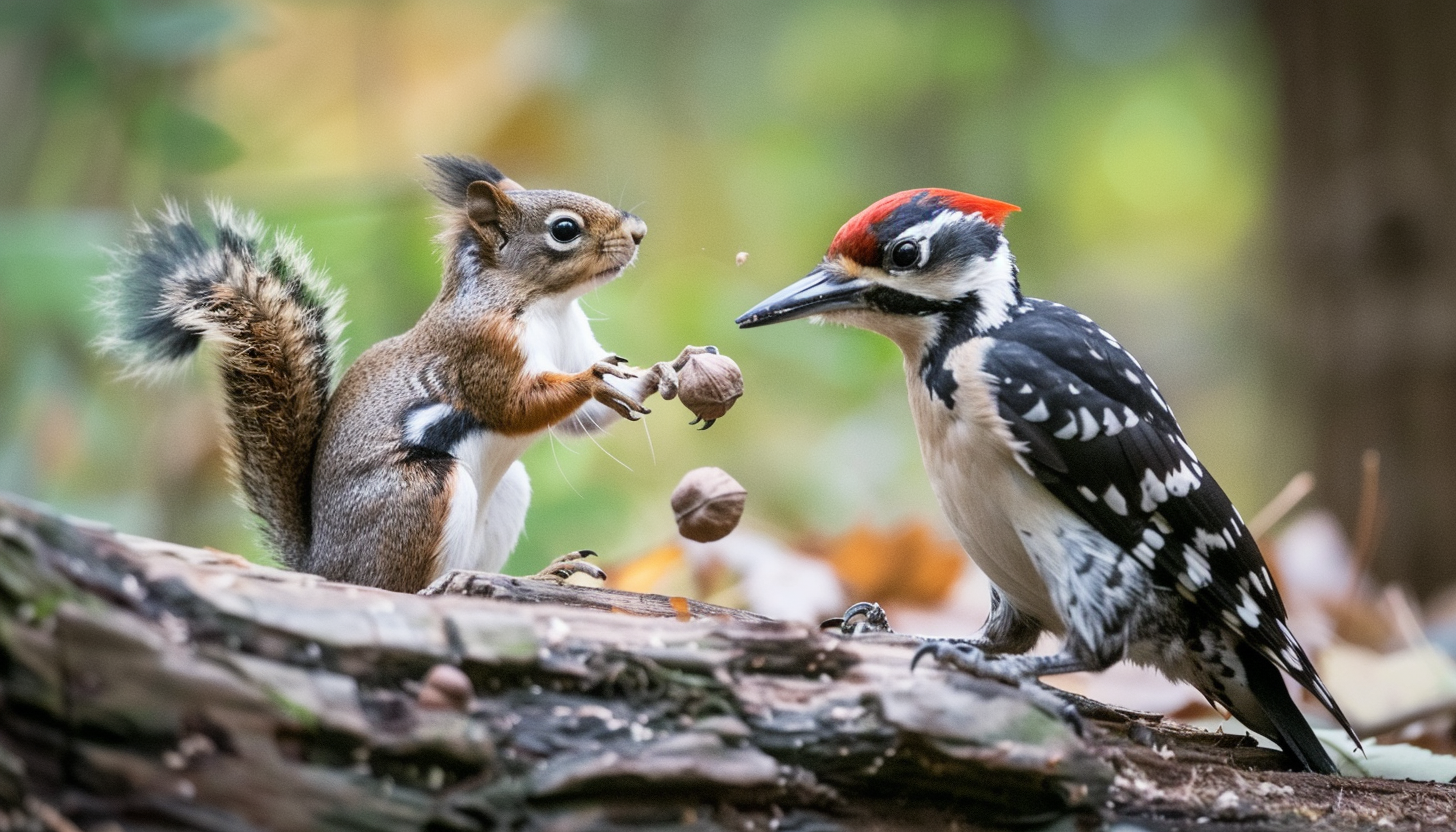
[{"x": 1136, "y": 137}]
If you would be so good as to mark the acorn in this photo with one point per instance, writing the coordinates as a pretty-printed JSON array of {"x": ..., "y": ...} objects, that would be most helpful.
[
  {"x": 708, "y": 385},
  {"x": 446, "y": 688},
  {"x": 708, "y": 504}
]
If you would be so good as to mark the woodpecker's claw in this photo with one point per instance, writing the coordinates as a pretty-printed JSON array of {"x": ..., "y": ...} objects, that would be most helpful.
[
  {"x": 965, "y": 657},
  {"x": 706, "y": 423},
  {"x": 927, "y": 647},
  {"x": 871, "y": 619}
]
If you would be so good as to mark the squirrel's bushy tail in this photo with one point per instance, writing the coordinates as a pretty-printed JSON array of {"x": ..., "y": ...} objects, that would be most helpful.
[{"x": 276, "y": 324}]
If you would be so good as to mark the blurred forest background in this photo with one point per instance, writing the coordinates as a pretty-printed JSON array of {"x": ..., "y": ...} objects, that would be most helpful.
[{"x": 1211, "y": 181}]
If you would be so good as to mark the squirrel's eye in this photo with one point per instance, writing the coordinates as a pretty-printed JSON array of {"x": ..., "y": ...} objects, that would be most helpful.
[
  {"x": 905, "y": 254},
  {"x": 565, "y": 230}
]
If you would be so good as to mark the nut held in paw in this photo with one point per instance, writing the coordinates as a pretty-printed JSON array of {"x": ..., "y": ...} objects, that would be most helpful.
[
  {"x": 709, "y": 384},
  {"x": 708, "y": 504}
]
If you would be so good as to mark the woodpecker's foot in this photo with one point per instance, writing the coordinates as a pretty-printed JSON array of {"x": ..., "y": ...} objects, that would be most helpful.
[
  {"x": 571, "y": 563},
  {"x": 971, "y": 659},
  {"x": 1056, "y": 703},
  {"x": 864, "y": 617}
]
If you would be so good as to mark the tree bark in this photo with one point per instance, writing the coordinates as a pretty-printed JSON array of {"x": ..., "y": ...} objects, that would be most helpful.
[
  {"x": 157, "y": 687},
  {"x": 1367, "y": 206}
]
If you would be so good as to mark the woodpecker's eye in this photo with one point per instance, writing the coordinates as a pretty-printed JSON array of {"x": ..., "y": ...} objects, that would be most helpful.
[
  {"x": 565, "y": 229},
  {"x": 905, "y": 254}
]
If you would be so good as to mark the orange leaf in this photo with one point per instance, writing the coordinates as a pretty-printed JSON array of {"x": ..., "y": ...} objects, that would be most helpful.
[
  {"x": 649, "y": 572},
  {"x": 680, "y": 606},
  {"x": 909, "y": 563}
]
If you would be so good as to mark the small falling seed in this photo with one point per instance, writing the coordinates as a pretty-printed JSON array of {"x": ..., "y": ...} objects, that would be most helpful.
[
  {"x": 708, "y": 385},
  {"x": 708, "y": 504},
  {"x": 741, "y": 258}
]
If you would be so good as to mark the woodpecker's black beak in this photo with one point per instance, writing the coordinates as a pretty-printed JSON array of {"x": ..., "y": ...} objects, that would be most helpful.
[{"x": 822, "y": 291}]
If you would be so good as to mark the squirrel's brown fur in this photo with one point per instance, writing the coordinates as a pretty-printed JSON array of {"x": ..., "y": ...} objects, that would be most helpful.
[
  {"x": 278, "y": 324},
  {"x": 393, "y": 477}
]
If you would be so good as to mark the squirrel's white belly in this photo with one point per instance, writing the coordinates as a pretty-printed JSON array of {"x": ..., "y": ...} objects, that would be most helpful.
[
  {"x": 489, "y": 489},
  {"x": 489, "y": 495},
  {"x": 557, "y": 337}
]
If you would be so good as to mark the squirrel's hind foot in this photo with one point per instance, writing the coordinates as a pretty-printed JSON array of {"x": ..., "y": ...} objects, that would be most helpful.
[
  {"x": 571, "y": 563},
  {"x": 472, "y": 582}
]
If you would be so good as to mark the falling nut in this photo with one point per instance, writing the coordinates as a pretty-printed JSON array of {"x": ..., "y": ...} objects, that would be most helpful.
[
  {"x": 708, "y": 384},
  {"x": 708, "y": 504},
  {"x": 741, "y": 258},
  {"x": 446, "y": 688}
]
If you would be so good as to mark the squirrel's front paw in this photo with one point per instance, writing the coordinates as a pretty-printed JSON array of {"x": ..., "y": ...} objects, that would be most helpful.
[
  {"x": 610, "y": 365},
  {"x": 616, "y": 399}
]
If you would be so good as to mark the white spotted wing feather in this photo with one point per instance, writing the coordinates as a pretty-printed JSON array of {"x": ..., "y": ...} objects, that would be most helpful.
[{"x": 1094, "y": 429}]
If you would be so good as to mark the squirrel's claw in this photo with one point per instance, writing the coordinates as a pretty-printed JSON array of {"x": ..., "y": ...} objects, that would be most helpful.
[
  {"x": 617, "y": 400},
  {"x": 569, "y": 564},
  {"x": 608, "y": 367}
]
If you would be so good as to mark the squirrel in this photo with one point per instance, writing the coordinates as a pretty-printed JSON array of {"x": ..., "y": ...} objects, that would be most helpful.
[{"x": 410, "y": 468}]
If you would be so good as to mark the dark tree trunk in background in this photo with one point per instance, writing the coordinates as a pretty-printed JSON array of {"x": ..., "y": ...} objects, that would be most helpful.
[{"x": 1367, "y": 204}]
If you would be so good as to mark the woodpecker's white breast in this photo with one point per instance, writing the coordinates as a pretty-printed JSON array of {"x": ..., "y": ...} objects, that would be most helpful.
[{"x": 1015, "y": 530}]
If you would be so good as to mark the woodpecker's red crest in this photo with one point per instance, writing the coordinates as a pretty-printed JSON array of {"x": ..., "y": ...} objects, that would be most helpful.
[{"x": 860, "y": 238}]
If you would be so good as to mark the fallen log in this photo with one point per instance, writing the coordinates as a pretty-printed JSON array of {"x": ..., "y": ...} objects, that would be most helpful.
[{"x": 156, "y": 686}]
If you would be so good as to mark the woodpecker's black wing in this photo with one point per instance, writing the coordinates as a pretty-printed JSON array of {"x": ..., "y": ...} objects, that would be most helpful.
[{"x": 1093, "y": 428}]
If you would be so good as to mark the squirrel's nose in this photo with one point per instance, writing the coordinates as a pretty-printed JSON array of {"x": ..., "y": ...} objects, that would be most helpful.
[{"x": 635, "y": 227}]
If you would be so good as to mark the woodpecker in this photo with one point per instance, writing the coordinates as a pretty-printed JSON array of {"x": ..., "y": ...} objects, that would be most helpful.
[{"x": 1062, "y": 470}]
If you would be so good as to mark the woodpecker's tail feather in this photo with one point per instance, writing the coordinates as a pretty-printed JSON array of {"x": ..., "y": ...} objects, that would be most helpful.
[
  {"x": 1265, "y": 706},
  {"x": 276, "y": 323}
]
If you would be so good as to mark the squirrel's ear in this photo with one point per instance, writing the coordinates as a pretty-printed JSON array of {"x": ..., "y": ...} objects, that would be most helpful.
[{"x": 487, "y": 205}]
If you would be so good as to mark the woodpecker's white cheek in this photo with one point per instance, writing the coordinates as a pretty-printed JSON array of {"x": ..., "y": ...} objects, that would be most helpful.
[{"x": 994, "y": 283}]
